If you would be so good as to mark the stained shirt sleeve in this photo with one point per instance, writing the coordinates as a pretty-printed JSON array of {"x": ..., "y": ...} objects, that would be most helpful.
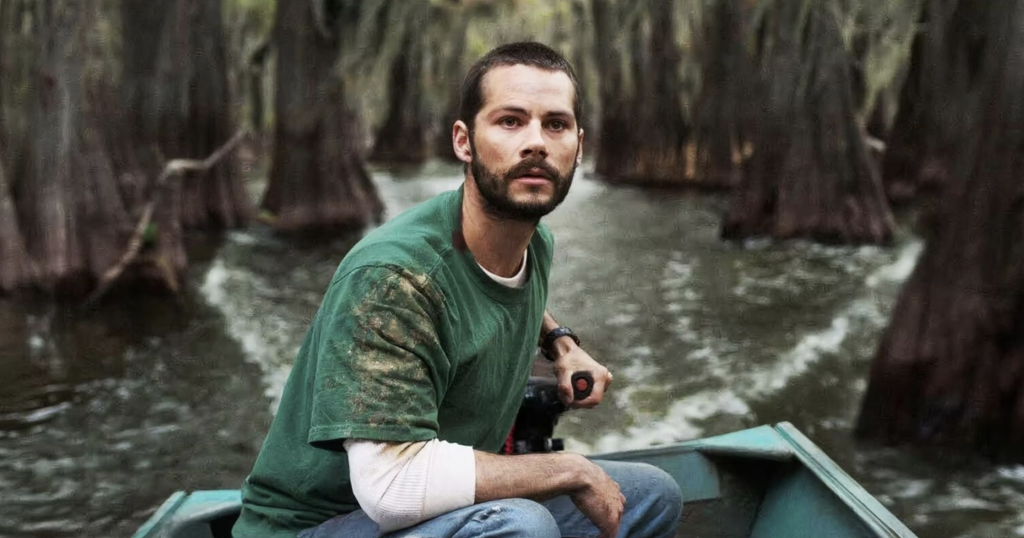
[{"x": 379, "y": 358}]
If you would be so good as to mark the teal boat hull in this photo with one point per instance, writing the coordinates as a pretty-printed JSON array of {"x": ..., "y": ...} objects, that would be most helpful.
[{"x": 769, "y": 481}]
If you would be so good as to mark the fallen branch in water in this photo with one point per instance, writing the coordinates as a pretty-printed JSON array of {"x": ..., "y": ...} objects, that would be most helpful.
[{"x": 171, "y": 170}]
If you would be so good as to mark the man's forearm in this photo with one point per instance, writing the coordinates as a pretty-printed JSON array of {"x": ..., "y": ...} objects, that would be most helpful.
[
  {"x": 540, "y": 477},
  {"x": 529, "y": 476},
  {"x": 547, "y": 325}
]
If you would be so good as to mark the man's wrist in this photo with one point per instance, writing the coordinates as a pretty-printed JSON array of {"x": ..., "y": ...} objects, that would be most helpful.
[{"x": 558, "y": 342}]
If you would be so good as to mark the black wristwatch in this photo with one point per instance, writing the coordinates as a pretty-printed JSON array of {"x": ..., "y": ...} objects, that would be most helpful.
[{"x": 547, "y": 346}]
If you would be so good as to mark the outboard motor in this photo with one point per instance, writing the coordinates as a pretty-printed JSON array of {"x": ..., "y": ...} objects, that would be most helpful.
[{"x": 538, "y": 415}]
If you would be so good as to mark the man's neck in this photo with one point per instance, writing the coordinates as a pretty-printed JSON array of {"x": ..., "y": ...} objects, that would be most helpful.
[{"x": 497, "y": 244}]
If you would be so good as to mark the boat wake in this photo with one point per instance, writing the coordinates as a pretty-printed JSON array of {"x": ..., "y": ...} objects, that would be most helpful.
[{"x": 735, "y": 382}]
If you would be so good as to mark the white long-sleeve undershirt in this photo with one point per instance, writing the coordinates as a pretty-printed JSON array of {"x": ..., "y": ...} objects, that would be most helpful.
[{"x": 401, "y": 484}]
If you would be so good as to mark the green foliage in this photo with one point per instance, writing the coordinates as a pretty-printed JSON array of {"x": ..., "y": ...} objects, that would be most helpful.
[
  {"x": 247, "y": 25},
  {"x": 149, "y": 235},
  {"x": 876, "y": 33},
  {"x": 885, "y": 30},
  {"x": 253, "y": 17}
]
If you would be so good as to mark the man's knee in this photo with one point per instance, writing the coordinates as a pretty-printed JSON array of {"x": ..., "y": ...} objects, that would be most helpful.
[
  {"x": 515, "y": 517},
  {"x": 666, "y": 490},
  {"x": 647, "y": 487}
]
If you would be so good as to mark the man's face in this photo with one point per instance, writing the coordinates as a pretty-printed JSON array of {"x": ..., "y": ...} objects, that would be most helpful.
[{"x": 525, "y": 144}]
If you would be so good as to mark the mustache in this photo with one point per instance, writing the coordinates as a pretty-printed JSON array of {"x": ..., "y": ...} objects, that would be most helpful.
[{"x": 524, "y": 167}]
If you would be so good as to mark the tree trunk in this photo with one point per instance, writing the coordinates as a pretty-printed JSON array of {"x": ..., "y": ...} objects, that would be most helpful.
[
  {"x": 76, "y": 225},
  {"x": 192, "y": 108},
  {"x": 810, "y": 175},
  {"x": 936, "y": 100},
  {"x": 6, "y": 26},
  {"x": 15, "y": 266},
  {"x": 135, "y": 138},
  {"x": 615, "y": 124},
  {"x": 318, "y": 181},
  {"x": 402, "y": 137},
  {"x": 726, "y": 68},
  {"x": 950, "y": 368},
  {"x": 643, "y": 132},
  {"x": 452, "y": 78},
  {"x": 15, "y": 66}
]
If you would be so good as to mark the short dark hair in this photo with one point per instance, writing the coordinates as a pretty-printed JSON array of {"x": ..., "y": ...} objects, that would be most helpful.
[{"x": 523, "y": 53}]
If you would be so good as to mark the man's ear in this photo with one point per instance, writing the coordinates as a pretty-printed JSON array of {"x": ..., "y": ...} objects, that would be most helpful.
[
  {"x": 579, "y": 149},
  {"x": 461, "y": 142}
]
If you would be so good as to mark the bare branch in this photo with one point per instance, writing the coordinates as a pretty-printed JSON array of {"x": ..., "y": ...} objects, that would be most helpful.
[{"x": 172, "y": 169}]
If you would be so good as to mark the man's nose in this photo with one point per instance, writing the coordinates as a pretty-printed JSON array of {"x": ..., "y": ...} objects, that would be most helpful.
[{"x": 535, "y": 144}]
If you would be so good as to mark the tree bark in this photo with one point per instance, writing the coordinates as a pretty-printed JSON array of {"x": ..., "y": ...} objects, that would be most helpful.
[
  {"x": 176, "y": 88},
  {"x": 135, "y": 138},
  {"x": 452, "y": 78},
  {"x": 950, "y": 367},
  {"x": 726, "y": 68},
  {"x": 75, "y": 221},
  {"x": 402, "y": 137},
  {"x": 935, "y": 105},
  {"x": 810, "y": 175},
  {"x": 643, "y": 131},
  {"x": 15, "y": 66},
  {"x": 318, "y": 180},
  {"x": 614, "y": 122},
  {"x": 6, "y": 25},
  {"x": 195, "y": 114},
  {"x": 15, "y": 267}
]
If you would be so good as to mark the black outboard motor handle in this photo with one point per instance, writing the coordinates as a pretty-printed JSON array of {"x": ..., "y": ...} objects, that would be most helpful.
[
  {"x": 582, "y": 385},
  {"x": 538, "y": 414}
]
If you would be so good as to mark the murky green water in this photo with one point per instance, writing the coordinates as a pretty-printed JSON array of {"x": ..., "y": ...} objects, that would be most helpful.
[{"x": 102, "y": 418}]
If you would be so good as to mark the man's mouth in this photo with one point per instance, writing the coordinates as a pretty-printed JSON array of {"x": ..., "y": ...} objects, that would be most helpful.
[{"x": 535, "y": 174}]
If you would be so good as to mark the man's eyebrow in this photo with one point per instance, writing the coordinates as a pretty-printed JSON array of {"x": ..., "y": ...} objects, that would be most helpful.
[
  {"x": 523, "y": 112},
  {"x": 559, "y": 114},
  {"x": 509, "y": 108}
]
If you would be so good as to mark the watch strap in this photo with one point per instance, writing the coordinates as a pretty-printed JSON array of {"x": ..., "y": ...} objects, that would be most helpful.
[{"x": 547, "y": 346}]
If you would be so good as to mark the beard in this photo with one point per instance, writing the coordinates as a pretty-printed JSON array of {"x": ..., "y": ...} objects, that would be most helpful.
[{"x": 494, "y": 187}]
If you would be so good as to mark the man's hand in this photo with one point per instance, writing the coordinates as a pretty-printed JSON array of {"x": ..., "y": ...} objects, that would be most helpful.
[
  {"x": 600, "y": 500},
  {"x": 572, "y": 359},
  {"x": 544, "y": 476}
]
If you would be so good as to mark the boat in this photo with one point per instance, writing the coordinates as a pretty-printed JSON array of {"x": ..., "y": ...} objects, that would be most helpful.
[{"x": 763, "y": 482}]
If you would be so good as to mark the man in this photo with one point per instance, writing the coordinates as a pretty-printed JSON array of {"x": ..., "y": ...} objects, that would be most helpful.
[{"x": 414, "y": 368}]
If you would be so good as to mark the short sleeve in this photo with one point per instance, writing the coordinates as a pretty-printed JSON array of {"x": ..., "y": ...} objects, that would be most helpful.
[{"x": 378, "y": 358}]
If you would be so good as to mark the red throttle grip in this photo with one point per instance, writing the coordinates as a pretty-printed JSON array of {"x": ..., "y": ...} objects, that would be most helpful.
[{"x": 582, "y": 385}]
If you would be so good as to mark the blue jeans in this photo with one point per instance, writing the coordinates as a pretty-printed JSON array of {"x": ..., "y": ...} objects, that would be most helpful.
[{"x": 653, "y": 506}]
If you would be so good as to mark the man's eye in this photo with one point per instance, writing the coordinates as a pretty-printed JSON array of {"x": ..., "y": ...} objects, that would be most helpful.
[
  {"x": 557, "y": 125},
  {"x": 509, "y": 121}
]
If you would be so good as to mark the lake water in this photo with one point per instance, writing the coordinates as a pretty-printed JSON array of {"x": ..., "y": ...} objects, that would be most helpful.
[{"x": 103, "y": 416}]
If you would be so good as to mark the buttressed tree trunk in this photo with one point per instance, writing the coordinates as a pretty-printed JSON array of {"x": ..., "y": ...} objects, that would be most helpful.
[
  {"x": 935, "y": 107},
  {"x": 402, "y": 137},
  {"x": 75, "y": 223},
  {"x": 643, "y": 132},
  {"x": 318, "y": 180},
  {"x": 950, "y": 367},
  {"x": 810, "y": 175},
  {"x": 191, "y": 106},
  {"x": 726, "y": 68}
]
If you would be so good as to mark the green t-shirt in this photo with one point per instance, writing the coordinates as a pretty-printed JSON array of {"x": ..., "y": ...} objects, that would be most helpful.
[{"x": 413, "y": 341}]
